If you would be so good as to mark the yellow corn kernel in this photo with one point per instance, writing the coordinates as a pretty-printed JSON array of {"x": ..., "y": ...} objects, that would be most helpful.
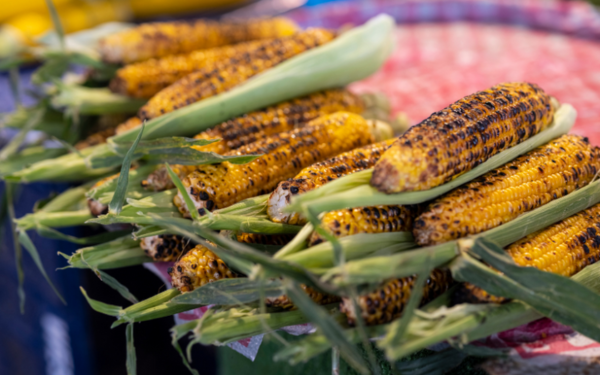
[
  {"x": 265, "y": 239},
  {"x": 465, "y": 134},
  {"x": 286, "y": 303},
  {"x": 165, "y": 247},
  {"x": 198, "y": 267},
  {"x": 530, "y": 181}
]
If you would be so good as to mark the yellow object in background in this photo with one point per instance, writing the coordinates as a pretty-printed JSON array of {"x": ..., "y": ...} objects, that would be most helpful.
[
  {"x": 11, "y": 8},
  {"x": 153, "y": 8}
]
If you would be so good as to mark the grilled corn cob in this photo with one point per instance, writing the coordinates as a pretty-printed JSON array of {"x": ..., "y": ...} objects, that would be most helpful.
[
  {"x": 285, "y": 303},
  {"x": 319, "y": 174},
  {"x": 166, "y": 247},
  {"x": 160, "y": 39},
  {"x": 530, "y": 181},
  {"x": 284, "y": 155},
  {"x": 564, "y": 248},
  {"x": 462, "y": 136},
  {"x": 265, "y": 239},
  {"x": 198, "y": 267},
  {"x": 257, "y": 125},
  {"x": 146, "y": 78},
  {"x": 387, "y": 303},
  {"x": 229, "y": 73},
  {"x": 377, "y": 219}
]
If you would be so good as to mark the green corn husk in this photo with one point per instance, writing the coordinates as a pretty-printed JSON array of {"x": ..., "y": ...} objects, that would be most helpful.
[
  {"x": 355, "y": 191},
  {"x": 104, "y": 193},
  {"x": 354, "y": 247},
  {"x": 122, "y": 252},
  {"x": 407, "y": 263},
  {"x": 52, "y": 122},
  {"x": 93, "y": 101},
  {"x": 352, "y": 56},
  {"x": 28, "y": 156}
]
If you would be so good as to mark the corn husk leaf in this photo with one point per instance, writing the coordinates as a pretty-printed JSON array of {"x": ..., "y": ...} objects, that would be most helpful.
[
  {"x": 11, "y": 148},
  {"x": 53, "y": 219},
  {"x": 298, "y": 243},
  {"x": 121, "y": 252},
  {"x": 116, "y": 204},
  {"x": 101, "y": 307},
  {"x": 27, "y": 157},
  {"x": 354, "y": 190},
  {"x": 93, "y": 101},
  {"x": 557, "y": 297},
  {"x": 131, "y": 363},
  {"x": 11, "y": 192},
  {"x": 90, "y": 240},
  {"x": 230, "y": 291},
  {"x": 407, "y": 263}
]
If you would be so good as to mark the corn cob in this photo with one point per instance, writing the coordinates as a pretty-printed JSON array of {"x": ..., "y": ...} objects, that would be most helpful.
[
  {"x": 319, "y": 174},
  {"x": 265, "y": 239},
  {"x": 387, "y": 303},
  {"x": 564, "y": 248},
  {"x": 377, "y": 219},
  {"x": 462, "y": 136},
  {"x": 257, "y": 125},
  {"x": 229, "y": 73},
  {"x": 166, "y": 247},
  {"x": 97, "y": 208},
  {"x": 146, "y": 78},
  {"x": 285, "y": 303},
  {"x": 131, "y": 123},
  {"x": 160, "y": 39},
  {"x": 198, "y": 267},
  {"x": 284, "y": 155},
  {"x": 530, "y": 181}
]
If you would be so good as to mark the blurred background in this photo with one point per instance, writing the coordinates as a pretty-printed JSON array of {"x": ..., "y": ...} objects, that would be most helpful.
[{"x": 445, "y": 50}]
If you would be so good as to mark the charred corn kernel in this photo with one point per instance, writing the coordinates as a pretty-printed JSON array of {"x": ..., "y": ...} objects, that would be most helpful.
[
  {"x": 258, "y": 125},
  {"x": 166, "y": 247},
  {"x": 283, "y": 156},
  {"x": 530, "y": 181},
  {"x": 146, "y": 78},
  {"x": 564, "y": 248},
  {"x": 376, "y": 219},
  {"x": 265, "y": 239},
  {"x": 131, "y": 123},
  {"x": 387, "y": 303},
  {"x": 319, "y": 174},
  {"x": 462, "y": 136},
  {"x": 198, "y": 267},
  {"x": 286, "y": 303},
  {"x": 95, "y": 139},
  {"x": 230, "y": 73},
  {"x": 160, "y": 39}
]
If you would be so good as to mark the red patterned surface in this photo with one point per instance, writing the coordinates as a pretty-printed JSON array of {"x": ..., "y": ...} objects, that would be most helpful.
[{"x": 436, "y": 64}]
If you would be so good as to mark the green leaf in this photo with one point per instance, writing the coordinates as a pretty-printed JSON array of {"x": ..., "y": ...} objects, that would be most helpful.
[
  {"x": 16, "y": 142},
  {"x": 298, "y": 243},
  {"x": 101, "y": 307},
  {"x": 11, "y": 62},
  {"x": 554, "y": 296},
  {"x": 57, "y": 24},
  {"x": 175, "y": 343},
  {"x": 15, "y": 83},
  {"x": 10, "y": 198},
  {"x": 131, "y": 358},
  {"x": 327, "y": 325},
  {"x": 93, "y": 101},
  {"x": 30, "y": 247},
  {"x": 116, "y": 204},
  {"x": 147, "y": 147},
  {"x": 95, "y": 239},
  {"x": 113, "y": 283},
  {"x": 184, "y": 193},
  {"x": 190, "y": 156},
  {"x": 230, "y": 291},
  {"x": 52, "y": 69}
]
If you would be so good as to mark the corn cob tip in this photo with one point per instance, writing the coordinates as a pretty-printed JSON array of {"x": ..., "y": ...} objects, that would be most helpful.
[
  {"x": 97, "y": 208},
  {"x": 198, "y": 267},
  {"x": 284, "y": 302},
  {"x": 381, "y": 130},
  {"x": 469, "y": 293},
  {"x": 165, "y": 248}
]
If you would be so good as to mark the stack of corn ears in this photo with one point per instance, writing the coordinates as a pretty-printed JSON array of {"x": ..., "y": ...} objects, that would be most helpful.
[{"x": 292, "y": 206}]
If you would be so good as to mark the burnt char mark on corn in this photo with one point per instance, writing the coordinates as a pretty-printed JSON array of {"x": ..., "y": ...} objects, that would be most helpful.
[
  {"x": 530, "y": 181},
  {"x": 166, "y": 247},
  {"x": 318, "y": 175},
  {"x": 258, "y": 125},
  {"x": 198, "y": 267},
  {"x": 230, "y": 73},
  {"x": 388, "y": 302},
  {"x": 265, "y": 239},
  {"x": 284, "y": 302},
  {"x": 376, "y": 219},
  {"x": 284, "y": 155},
  {"x": 158, "y": 39},
  {"x": 564, "y": 248},
  {"x": 460, "y": 137},
  {"x": 146, "y": 78}
]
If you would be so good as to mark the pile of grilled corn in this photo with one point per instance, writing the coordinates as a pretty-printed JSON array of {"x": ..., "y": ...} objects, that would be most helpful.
[{"x": 305, "y": 143}]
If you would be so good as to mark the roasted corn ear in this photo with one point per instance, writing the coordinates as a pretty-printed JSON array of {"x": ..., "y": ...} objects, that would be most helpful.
[
  {"x": 319, "y": 174},
  {"x": 388, "y": 302},
  {"x": 377, "y": 219},
  {"x": 232, "y": 72},
  {"x": 465, "y": 134},
  {"x": 283, "y": 156},
  {"x": 286, "y": 303},
  {"x": 198, "y": 267},
  {"x": 158, "y": 39},
  {"x": 530, "y": 181},
  {"x": 564, "y": 248},
  {"x": 258, "y": 125},
  {"x": 165, "y": 247},
  {"x": 146, "y": 78},
  {"x": 265, "y": 239}
]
